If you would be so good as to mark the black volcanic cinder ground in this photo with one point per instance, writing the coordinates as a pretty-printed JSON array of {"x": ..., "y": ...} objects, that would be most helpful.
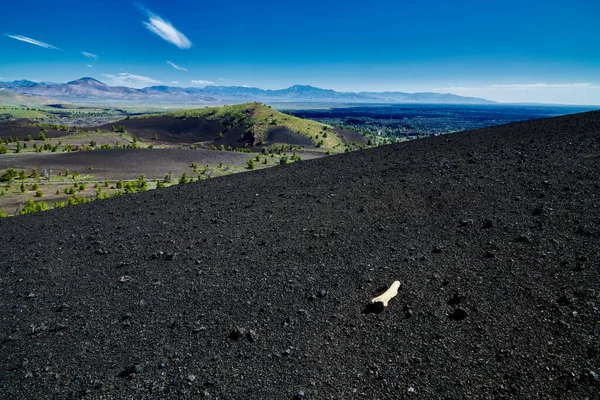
[{"x": 253, "y": 286}]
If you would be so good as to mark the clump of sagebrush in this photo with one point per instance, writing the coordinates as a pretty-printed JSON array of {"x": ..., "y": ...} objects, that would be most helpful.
[
  {"x": 3, "y": 214},
  {"x": 33, "y": 207},
  {"x": 9, "y": 175},
  {"x": 74, "y": 200}
]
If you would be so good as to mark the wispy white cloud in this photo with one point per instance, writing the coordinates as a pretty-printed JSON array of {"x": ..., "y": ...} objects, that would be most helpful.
[
  {"x": 90, "y": 55},
  {"x": 176, "y": 66},
  {"x": 33, "y": 41},
  {"x": 174, "y": 82},
  {"x": 164, "y": 29},
  {"x": 200, "y": 82},
  {"x": 130, "y": 80},
  {"x": 89, "y": 65}
]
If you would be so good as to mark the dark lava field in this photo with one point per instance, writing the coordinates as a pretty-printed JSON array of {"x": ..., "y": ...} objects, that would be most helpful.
[{"x": 255, "y": 285}]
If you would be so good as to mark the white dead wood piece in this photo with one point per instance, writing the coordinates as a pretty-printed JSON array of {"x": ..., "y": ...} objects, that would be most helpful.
[{"x": 389, "y": 294}]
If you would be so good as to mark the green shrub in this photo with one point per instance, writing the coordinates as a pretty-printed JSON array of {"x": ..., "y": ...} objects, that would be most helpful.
[
  {"x": 73, "y": 200},
  {"x": 251, "y": 164},
  {"x": 33, "y": 207},
  {"x": 41, "y": 136},
  {"x": 3, "y": 214},
  {"x": 39, "y": 193},
  {"x": 183, "y": 178}
]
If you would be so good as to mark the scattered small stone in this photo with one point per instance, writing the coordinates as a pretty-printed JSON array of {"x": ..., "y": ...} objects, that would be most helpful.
[
  {"x": 58, "y": 328},
  {"x": 489, "y": 254},
  {"x": 437, "y": 250},
  {"x": 130, "y": 370},
  {"x": 239, "y": 332},
  {"x": 564, "y": 300},
  {"x": 122, "y": 264},
  {"x": 251, "y": 335},
  {"x": 170, "y": 256},
  {"x": 299, "y": 395},
  {"x": 537, "y": 211},
  {"x": 455, "y": 299},
  {"x": 191, "y": 377},
  {"x": 408, "y": 311},
  {"x": 322, "y": 293},
  {"x": 458, "y": 314},
  {"x": 488, "y": 223},
  {"x": 63, "y": 307},
  {"x": 522, "y": 238}
]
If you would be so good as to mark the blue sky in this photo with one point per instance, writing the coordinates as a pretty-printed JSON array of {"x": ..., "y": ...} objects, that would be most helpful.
[{"x": 514, "y": 51}]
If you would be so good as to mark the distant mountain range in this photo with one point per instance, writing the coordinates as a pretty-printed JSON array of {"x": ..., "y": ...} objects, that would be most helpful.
[{"x": 91, "y": 90}]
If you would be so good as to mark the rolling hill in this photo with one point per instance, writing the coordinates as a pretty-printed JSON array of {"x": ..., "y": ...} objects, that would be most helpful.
[
  {"x": 255, "y": 285},
  {"x": 244, "y": 125},
  {"x": 24, "y": 100}
]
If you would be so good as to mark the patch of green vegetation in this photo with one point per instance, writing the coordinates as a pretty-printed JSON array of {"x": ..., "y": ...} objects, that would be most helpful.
[
  {"x": 33, "y": 207},
  {"x": 22, "y": 112}
]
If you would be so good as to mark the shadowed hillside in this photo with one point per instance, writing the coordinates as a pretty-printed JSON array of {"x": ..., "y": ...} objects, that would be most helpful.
[{"x": 255, "y": 285}]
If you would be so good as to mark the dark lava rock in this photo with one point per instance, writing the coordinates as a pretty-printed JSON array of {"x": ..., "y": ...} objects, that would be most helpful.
[
  {"x": 551, "y": 348},
  {"x": 455, "y": 299},
  {"x": 565, "y": 300},
  {"x": 373, "y": 308},
  {"x": 130, "y": 370},
  {"x": 489, "y": 254},
  {"x": 458, "y": 314},
  {"x": 251, "y": 336},
  {"x": 322, "y": 293},
  {"x": 488, "y": 223},
  {"x": 238, "y": 332}
]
